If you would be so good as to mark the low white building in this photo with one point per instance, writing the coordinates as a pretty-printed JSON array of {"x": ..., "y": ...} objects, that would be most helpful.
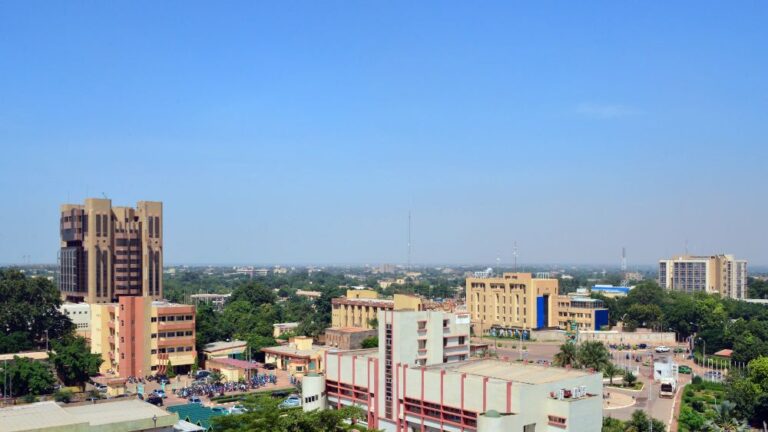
[
  {"x": 80, "y": 314},
  {"x": 421, "y": 379}
]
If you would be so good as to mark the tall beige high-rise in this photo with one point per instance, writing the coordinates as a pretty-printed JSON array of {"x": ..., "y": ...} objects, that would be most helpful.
[
  {"x": 714, "y": 274},
  {"x": 108, "y": 252}
]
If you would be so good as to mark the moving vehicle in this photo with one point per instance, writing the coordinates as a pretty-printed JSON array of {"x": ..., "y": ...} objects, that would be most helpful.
[
  {"x": 154, "y": 400},
  {"x": 668, "y": 388},
  {"x": 292, "y": 401},
  {"x": 662, "y": 349},
  {"x": 683, "y": 369}
]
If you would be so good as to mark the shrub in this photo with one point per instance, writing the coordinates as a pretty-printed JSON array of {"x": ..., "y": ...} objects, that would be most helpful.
[
  {"x": 63, "y": 395},
  {"x": 697, "y": 381}
]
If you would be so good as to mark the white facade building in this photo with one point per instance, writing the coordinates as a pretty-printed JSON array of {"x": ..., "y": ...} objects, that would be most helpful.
[
  {"x": 80, "y": 314},
  {"x": 421, "y": 379}
]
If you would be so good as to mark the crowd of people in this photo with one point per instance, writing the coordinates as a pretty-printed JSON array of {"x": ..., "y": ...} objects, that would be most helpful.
[{"x": 203, "y": 388}]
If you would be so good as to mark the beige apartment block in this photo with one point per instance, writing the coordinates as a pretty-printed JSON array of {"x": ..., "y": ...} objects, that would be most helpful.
[
  {"x": 361, "y": 307},
  {"x": 108, "y": 252},
  {"x": 518, "y": 301},
  {"x": 714, "y": 274}
]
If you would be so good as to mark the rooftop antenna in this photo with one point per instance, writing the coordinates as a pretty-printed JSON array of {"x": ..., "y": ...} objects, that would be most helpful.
[
  {"x": 623, "y": 259},
  {"x": 409, "y": 239},
  {"x": 514, "y": 255}
]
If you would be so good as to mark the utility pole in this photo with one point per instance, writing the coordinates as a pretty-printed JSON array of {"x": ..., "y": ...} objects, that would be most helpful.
[{"x": 409, "y": 240}]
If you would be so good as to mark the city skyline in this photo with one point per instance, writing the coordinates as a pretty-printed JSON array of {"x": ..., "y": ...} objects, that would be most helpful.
[{"x": 308, "y": 134}]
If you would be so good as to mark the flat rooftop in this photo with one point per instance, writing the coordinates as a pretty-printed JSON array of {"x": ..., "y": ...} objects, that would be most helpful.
[
  {"x": 117, "y": 415},
  {"x": 349, "y": 330},
  {"x": 362, "y": 353},
  {"x": 512, "y": 371},
  {"x": 217, "y": 346},
  {"x": 291, "y": 350}
]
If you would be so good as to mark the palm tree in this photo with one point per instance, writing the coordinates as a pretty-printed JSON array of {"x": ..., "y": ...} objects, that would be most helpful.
[
  {"x": 216, "y": 377},
  {"x": 611, "y": 370},
  {"x": 724, "y": 420},
  {"x": 566, "y": 356},
  {"x": 593, "y": 355}
]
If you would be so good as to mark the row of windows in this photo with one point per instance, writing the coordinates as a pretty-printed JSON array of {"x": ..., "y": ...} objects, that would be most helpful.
[
  {"x": 171, "y": 318},
  {"x": 172, "y": 350},
  {"x": 172, "y": 334}
]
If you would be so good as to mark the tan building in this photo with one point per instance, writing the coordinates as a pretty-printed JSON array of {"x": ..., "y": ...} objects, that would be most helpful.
[
  {"x": 348, "y": 338},
  {"x": 108, "y": 252},
  {"x": 280, "y": 329},
  {"x": 138, "y": 336},
  {"x": 299, "y": 356},
  {"x": 715, "y": 274},
  {"x": 360, "y": 307},
  {"x": 518, "y": 301}
]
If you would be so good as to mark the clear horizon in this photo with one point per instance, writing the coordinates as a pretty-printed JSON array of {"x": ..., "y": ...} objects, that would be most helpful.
[{"x": 307, "y": 132}]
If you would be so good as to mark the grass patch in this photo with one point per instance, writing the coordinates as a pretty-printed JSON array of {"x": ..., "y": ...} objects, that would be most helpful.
[{"x": 239, "y": 397}]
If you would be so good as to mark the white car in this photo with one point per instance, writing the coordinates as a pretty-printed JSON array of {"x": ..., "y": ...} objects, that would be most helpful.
[{"x": 662, "y": 349}]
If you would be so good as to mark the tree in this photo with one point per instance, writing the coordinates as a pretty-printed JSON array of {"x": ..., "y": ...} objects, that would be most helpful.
[
  {"x": 74, "y": 362},
  {"x": 208, "y": 327},
  {"x": 256, "y": 342},
  {"x": 758, "y": 372},
  {"x": 29, "y": 312},
  {"x": 640, "y": 422},
  {"x": 643, "y": 315},
  {"x": 629, "y": 378},
  {"x": 216, "y": 376},
  {"x": 373, "y": 323},
  {"x": 371, "y": 342},
  {"x": 611, "y": 370},
  {"x": 265, "y": 415},
  {"x": 26, "y": 377},
  {"x": 254, "y": 293},
  {"x": 725, "y": 420},
  {"x": 745, "y": 395},
  {"x": 170, "y": 372},
  {"x": 593, "y": 355},
  {"x": 566, "y": 356}
]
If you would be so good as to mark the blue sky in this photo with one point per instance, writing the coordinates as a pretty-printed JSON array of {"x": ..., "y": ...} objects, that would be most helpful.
[{"x": 303, "y": 132}]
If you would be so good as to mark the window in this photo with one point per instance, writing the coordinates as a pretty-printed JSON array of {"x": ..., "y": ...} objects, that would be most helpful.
[
  {"x": 189, "y": 348},
  {"x": 154, "y": 335},
  {"x": 153, "y": 352},
  {"x": 154, "y": 319}
]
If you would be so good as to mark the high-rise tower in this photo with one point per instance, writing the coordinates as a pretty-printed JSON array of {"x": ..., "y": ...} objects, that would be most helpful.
[{"x": 108, "y": 252}]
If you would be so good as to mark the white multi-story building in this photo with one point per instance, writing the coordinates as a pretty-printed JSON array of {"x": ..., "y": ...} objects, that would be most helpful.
[
  {"x": 421, "y": 379},
  {"x": 80, "y": 314},
  {"x": 715, "y": 274}
]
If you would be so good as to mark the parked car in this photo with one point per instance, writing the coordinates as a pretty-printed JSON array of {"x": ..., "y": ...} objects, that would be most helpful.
[
  {"x": 162, "y": 379},
  {"x": 683, "y": 369},
  {"x": 292, "y": 401},
  {"x": 279, "y": 394},
  {"x": 270, "y": 366},
  {"x": 195, "y": 400},
  {"x": 202, "y": 374},
  {"x": 154, "y": 400},
  {"x": 160, "y": 393},
  {"x": 219, "y": 410},
  {"x": 662, "y": 349},
  {"x": 642, "y": 346},
  {"x": 237, "y": 409}
]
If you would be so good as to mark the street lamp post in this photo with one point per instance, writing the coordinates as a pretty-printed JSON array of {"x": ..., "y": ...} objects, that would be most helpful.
[{"x": 154, "y": 420}]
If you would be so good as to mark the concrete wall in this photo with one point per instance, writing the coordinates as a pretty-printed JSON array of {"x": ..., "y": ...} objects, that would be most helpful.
[{"x": 614, "y": 337}]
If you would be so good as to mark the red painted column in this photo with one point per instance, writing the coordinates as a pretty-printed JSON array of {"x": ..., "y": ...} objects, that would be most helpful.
[
  {"x": 509, "y": 396},
  {"x": 338, "y": 379},
  {"x": 396, "y": 394},
  {"x": 485, "y": 393},
  {"x": 442, "y": 392},
  {"x": 376, "y": 393},
  {"x": 405, "y": 382},
  {"x": 423, "y": 369}
]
